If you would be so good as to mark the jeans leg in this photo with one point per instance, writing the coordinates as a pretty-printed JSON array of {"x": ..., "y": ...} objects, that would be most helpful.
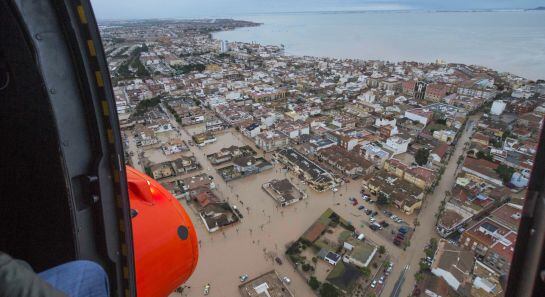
[{"x": 78, "y": 279}]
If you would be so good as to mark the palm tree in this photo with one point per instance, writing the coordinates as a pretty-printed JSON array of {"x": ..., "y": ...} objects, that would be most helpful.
[{"x": 381, "y": 250}]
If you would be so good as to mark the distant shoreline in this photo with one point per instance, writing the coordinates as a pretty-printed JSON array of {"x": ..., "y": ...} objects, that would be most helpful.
[{"x": 196, "y": 18}]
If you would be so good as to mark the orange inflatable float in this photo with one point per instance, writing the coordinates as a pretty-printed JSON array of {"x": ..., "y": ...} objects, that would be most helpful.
[{"x": 164, "y": 238}]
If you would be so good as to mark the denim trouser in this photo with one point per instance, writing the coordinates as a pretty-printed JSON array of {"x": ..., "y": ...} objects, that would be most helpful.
[{"x": 78, "y": 279}]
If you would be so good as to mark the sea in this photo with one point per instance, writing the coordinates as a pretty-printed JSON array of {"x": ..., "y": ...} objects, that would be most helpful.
[{"x": 507, "y": 41}]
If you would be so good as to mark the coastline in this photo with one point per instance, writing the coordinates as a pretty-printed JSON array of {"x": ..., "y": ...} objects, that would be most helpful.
[{"x": 303, "y": 37}]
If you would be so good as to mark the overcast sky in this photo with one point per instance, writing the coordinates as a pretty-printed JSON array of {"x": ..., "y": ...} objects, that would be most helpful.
[{"x": 133, "y": 9}]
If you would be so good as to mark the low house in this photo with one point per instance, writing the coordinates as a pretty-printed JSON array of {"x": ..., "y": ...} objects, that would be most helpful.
[
  {"x": 244, "y": 166},
  {"x": 317, "y": 177},
  {"x": 271, "y": 140},
  {"x": 492, "y": 241},
  {"x": 435, "y": 286},
  {"x": 191, "y": 186},
  {"x": 393, "y": 189},
  {"x": 453, "y": 264},
  {"x": 360, "y": 253},
  {"x": 420, "y": 115},
  {"x": 226, "y": 154},
  {"x": 204, "y": 138},
  {"x": 480, "y": 138},
  {"x": 438, "y": 153},
  {"x": 162, "y": 170},
  {"x": 217, "y": 215},
  {"x": 452, "y": 219},
  {"x": 267, "y": 284},
  {"x": 419, "y": 176},
  {"x": 284, "y": 192},
  {"x": 174, "y": 147},
  {"x": 375, "y": 154},
  {"x": 482, "y": 170},
  {"x": 251, "y": 130},
  {"x": 446, "y": 136},
  {"x": 397, "y": 145},
  {"x": 185, "y": 164},
  {"x": 314, "y": 232},
  {"x": 349, "y": 163},
  {"x": 332, "y": 258},
  {"x": 486, "y": 282},
  {"x": 146, "y": 136}
]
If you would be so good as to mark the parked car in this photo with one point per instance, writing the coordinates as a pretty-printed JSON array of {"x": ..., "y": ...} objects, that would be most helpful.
[
  {"x": 361, "y": 207},
  {"x": 388, "y": 213},
  {"x": 384, "y": 224},
  {"x": 243, "y": 278},
  {"x": 403, "y": 229},
  {"x": 374, "y": 284},
  {"x": 381, "y": 280},
  {"x": 278, "y": 260},
  {"x": 397, "y": 242},
  {"x": 207, "y": 289},
  {"x": 286, "y": 280},
  {"x": 373, "y": 227},
  {"x": 368, "y": 212}
]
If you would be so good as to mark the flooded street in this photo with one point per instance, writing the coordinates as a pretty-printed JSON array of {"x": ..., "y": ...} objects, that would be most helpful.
[{"x": 250, "y": 246}]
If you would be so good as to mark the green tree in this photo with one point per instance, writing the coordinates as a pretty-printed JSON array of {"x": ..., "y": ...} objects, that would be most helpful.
[
  {"x": 421, "y": 157},
  {"x": 328, "y": 290},
  {"x": 381, "y": 250},
  {"x": 146, "y": 104},
  {"x": 382, "y": 199},
  {"x": 505, "y": 172},
  {"x": 366, "y": 271},
  {"x": 314, "y": 283},
  {"x": 148, "y": 171}
]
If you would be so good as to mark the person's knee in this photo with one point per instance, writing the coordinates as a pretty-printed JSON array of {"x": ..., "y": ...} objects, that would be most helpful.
[
  {"x": 90, "y": 267},
  {"x": 78, "y": 278}
]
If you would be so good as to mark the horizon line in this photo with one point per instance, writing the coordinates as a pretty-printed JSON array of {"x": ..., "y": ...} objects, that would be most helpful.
[{"x": 233, "y": 17}]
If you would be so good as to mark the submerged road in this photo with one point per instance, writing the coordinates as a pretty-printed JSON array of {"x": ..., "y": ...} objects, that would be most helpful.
[
  {"x": 399, "y": 282},
  {"x": 426, "y": 228}
]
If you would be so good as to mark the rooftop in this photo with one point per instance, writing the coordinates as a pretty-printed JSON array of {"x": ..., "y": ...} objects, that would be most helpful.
[{"x": 266, "y": 285}]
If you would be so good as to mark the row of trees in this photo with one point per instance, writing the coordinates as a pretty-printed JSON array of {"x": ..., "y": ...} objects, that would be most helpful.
[
  {"x": 134, "y": 63},
  {"x": 326, "y": 289}
]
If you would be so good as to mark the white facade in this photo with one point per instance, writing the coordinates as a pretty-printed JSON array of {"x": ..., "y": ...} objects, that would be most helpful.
[
  {"x": 498, "y": 107},
  {"x": 447, "y": 276},
  {"x": 367, "y": 97},
  {"x": 253, "y": 132},
  {"x": 444, "y": 135},
  {"x": 224, "y": 46},
  {"x": 379, "y": 122},
  {"x": 397, "y": 144},
  {"x": 416, "y": 117}
]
